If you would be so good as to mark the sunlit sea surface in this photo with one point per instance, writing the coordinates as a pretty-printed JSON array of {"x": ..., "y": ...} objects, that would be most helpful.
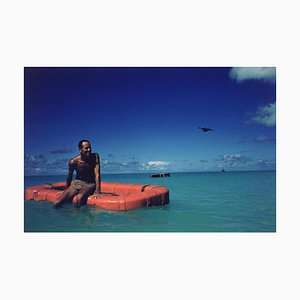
[{"x": 199, "y": 202}]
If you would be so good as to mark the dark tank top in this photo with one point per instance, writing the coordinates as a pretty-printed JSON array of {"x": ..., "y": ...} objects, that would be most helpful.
[{"x": 85, "y": 170}]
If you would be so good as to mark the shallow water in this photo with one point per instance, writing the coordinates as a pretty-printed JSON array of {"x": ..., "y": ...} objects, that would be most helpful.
[{"x": 199, "y": 202}]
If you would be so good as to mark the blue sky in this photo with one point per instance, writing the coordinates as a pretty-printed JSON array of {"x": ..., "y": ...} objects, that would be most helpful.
[{"x": 147, "y": 119}]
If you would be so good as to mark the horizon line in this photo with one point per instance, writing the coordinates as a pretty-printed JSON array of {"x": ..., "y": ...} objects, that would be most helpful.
[{"x": 273, "y": 170}]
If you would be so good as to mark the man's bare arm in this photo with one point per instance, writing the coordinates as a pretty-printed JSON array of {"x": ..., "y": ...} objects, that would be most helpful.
[
  {"x": 97, "y": 175},
  {"x": 70, "y": 172}
]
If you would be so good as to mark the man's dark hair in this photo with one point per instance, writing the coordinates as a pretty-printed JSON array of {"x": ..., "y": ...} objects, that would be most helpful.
[{"x": 82, "y": 141}]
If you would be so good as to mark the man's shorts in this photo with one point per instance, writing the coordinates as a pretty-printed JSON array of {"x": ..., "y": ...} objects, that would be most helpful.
[{"x": 79, "y": 184}]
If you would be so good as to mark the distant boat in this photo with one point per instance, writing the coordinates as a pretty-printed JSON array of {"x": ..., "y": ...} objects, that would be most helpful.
[
  {"x": 160, "y": 175},
  {"x": 222, "y": 170}
]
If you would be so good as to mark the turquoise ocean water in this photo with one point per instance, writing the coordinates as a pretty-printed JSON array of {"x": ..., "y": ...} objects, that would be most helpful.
[{"x": 199, "y": 202}]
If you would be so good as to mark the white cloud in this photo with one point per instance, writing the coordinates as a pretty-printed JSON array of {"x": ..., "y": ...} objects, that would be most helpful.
[
  {"x": 266, "y": 115},
  {"x": 241, "y": 162},
  {"x": 158, "y": 163},
  {"x": 119, "y": 167},
  {"x": 235, "y": 162},
  {"x": 262, "y": 139},
  {"x": 235, "y": 159},
  {"x": 266, "y": 74},
  {"x": 155, "y": 165},
  {"x": 265, "y": 164}
]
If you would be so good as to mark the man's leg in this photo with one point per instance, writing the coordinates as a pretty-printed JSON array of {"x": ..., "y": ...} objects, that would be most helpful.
[
  {"x": 85, "y": 192},
  {"x": 66, "y": 196}
]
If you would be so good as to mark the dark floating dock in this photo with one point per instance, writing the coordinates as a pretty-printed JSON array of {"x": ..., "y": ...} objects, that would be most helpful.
[{"x": 160, "y": 175}]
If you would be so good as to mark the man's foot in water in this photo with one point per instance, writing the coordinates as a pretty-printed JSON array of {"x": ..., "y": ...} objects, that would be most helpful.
[{"x": 57, "y": 205}]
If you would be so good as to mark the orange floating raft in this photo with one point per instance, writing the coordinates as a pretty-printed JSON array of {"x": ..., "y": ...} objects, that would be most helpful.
[{"x": 115, "y": 196}]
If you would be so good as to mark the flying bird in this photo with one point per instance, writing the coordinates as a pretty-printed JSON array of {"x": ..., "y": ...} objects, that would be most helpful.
[{"x": 205, "y": 129}]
